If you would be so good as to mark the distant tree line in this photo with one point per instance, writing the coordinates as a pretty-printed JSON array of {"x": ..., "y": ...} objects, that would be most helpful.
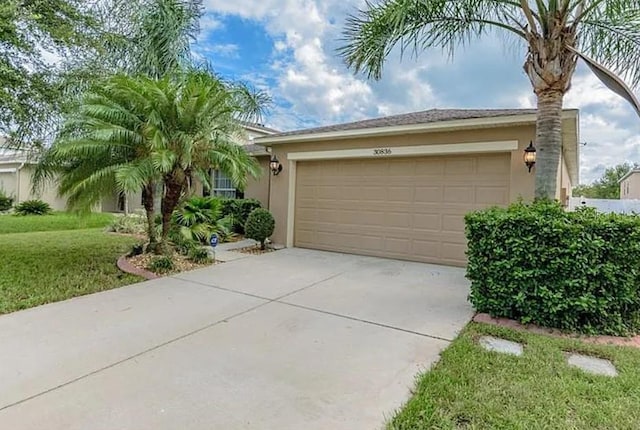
[{"x": 608, "y": 186}]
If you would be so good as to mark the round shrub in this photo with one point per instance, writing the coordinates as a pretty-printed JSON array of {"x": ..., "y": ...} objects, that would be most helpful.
[
  {"x": 260, "y": 225},
  {"x": 33, "y": 207}
]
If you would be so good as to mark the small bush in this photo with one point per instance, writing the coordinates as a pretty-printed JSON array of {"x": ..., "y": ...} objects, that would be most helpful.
[
  {"x": 129, "y": 224},
  {"x": 576, "y": 271},
  {"x": 199, "y": 255},
  {"x": 33, "y": 207},
  {"x": 199, "y": 217},
  {"x": 136, "y": 249},
  {"x": 238, "y": 210},
  {"x": 6, "y": 202},
  {"x": 260, "y": 226},
  {"x": 162, "y": 264},
  {"x": 182, "y": 245}
]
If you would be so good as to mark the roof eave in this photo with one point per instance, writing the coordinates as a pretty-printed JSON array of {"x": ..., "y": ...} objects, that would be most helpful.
[
  {"x": 629, "y": 173},
  {"x": 448, "y": 125}
]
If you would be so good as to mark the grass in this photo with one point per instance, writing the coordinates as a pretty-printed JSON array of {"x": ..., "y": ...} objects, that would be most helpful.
[
  {"x": 48, "y": 266},
  {"x": 471, "y": 388},
  {"x": 53, "y": 222}
]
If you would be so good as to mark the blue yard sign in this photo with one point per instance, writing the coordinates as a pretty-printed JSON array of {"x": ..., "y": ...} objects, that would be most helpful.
[{"x": 214, "y": 240}]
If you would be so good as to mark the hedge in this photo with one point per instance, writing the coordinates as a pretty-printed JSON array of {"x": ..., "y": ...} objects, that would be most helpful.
[
  {"x": 537, "y": 263},
  {"x": 239, "y": 209}
]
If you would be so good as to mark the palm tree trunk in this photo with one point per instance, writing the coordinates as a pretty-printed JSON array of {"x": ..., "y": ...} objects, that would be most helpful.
[
  {"x": 170, "y": 200},
  {"x": 149, "y": 203},
  {"x": 549, "y": 143}
]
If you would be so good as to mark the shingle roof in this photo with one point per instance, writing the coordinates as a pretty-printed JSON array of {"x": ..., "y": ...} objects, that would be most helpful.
[
  {"x": 427, "y": 116},
  {"x": 8, "y": 156}
]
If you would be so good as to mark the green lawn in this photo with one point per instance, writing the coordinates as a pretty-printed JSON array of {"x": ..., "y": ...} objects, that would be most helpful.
[
  {"x": 48, "y": 266},
  {"x": 53, "y": 222},
  {"x": 471, "y": 388}
]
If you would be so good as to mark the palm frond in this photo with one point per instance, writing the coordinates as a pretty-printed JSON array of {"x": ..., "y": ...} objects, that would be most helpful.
[
  {"x": 372, "y": 32},
  {"x": 611, "y": 36}
]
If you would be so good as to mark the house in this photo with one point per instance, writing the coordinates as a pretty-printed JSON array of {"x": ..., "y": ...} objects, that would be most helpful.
[
  {"x": 16, "y": 172},
  {"x": 630, "y": 185},
  {"x": 222, "y": 186},
  {"x": 399, "y": 186}
]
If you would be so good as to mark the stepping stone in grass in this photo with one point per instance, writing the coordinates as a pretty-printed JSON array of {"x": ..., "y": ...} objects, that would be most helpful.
[
  {"x": 491, "y": 343},
  {"x": 595, "y": 366}
]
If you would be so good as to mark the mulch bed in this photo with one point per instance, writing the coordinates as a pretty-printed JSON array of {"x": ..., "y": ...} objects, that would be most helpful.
[
  {"x": 254, "y": 250},
  {"x": 181, "y": 263}
]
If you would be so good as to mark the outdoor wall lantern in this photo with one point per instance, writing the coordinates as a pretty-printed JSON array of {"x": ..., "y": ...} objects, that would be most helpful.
[
  {"x": 275, "y": 165},
  {"x": 530, "y": 156}
]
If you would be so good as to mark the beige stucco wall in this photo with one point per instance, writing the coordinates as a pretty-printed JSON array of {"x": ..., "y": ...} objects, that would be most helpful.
[
  {"x": 563, "y": 191},
  {"x": 134, "y": 202},
  {"x": 48, "y": 193},
  {"x": 522, "y": 183},
  {"x": 259, "y": 188},
  {"x": 9, "y": 180},
  {"x": 633, "y": 182}
]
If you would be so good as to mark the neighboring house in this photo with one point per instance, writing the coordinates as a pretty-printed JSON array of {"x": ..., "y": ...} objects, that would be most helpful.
[
  {"x": 222, "y": 186},
  {"x": 16, "y": 171},
  {"x": 630, "y": 185},
  {"x": 399, "y": 186}
]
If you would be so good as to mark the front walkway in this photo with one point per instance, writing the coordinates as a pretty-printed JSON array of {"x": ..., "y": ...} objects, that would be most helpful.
[{"x": 294, "y": 339}]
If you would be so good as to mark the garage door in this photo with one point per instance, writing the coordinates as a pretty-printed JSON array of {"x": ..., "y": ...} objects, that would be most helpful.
[{"x": 404, "y": 208}]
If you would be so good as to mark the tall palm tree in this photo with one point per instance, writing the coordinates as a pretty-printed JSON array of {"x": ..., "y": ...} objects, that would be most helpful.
[
  {"x": 604, "y": 33},
  {"x": 192, "y": 122}
]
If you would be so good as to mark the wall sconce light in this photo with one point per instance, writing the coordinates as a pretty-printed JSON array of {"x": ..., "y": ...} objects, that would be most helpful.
[
  {"x": 530, "y": 156},
  {"x": 275, "y": 165}
]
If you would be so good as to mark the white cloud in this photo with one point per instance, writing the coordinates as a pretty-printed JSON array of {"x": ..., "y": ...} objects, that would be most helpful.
[
  {"x": 225, "y": 49},
  {"x": 312, "y": 79}
]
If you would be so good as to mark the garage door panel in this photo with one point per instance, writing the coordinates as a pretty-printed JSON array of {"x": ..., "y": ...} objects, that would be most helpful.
[
  {"x": 458, "y": 194},
  {"x": 427, "y": 194},
  {"x": 459, "y": 166},
  {"x": 408, "y": 208},
  {"x": 486, "y": 195}
]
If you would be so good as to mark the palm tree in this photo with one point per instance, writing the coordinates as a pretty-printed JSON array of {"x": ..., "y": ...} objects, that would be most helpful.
[
  {"x": 133, "y": 133},
  {"x": 603, "y": 33},
  {"x": 144, "y": 37},
  {"x": 103, "y": 149},
  {"x": 193, "y": 124}
]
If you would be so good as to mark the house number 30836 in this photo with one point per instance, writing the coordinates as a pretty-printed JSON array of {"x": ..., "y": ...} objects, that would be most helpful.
[{"x": 382, "y": 151}]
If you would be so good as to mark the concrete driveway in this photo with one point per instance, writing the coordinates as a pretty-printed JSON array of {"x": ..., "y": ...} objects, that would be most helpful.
[{"x": 294, "y": 339}]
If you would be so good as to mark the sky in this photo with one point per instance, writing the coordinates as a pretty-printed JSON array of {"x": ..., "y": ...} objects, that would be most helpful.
[{"x": 288, "y": 48}]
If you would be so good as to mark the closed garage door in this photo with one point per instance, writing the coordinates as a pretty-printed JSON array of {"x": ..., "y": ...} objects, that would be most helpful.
[{"x": 404, "y": 208}]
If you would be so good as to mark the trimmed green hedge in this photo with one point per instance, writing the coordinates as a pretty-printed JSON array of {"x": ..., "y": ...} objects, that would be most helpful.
[
  {"x": 239, "y": 209},
  {"x": 539, "y": 264}
]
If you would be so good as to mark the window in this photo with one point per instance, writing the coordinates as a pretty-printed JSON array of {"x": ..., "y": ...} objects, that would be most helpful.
[{"x": 222, "y": 185}]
